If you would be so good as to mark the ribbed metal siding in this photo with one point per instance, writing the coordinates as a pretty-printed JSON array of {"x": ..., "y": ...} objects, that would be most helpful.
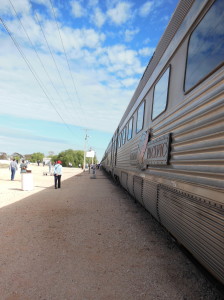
[
  {"x": 130, "y": 184},
  {"x": 197, "y": 153},
  {"x": 123, "y": 157},
  {"x": 149, "y": 195},
  {"x": 124, "y": 179},
  {"x": 138, "y": 186},
  {"x": 196, "y": 223}
]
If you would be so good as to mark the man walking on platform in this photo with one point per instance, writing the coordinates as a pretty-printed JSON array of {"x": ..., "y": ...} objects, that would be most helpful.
[
  {"x": 13, "y": 167},
  {"x": 57, "y": 174}
]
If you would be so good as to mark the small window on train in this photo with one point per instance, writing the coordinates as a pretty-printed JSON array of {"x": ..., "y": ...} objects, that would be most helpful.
[
  {"x": 123, "y": 135},
  {"x": 130, "y": 128},
  {"x": 206, "y": 46},
  {"x": 140, "y": 117},
  {"x": 160, "y": 94},
  {"x": 119, "y": 140}
]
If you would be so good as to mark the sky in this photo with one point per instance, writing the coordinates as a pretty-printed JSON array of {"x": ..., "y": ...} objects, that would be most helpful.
[{"x": 68, "y": 69}]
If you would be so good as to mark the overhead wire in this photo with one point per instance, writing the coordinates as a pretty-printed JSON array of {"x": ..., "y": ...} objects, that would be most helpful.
[
  {"x": 65, "y": 55},
  {"x": 52, "y": 56},
  {"x": 33, "y": 72},
  {"x": 37, "y": 53}
]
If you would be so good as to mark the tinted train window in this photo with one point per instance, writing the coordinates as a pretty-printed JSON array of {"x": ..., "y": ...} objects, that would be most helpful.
[
  {"x": 123, "y": 136},
  {"x": 206, "y": 46},
  {"x": 140, "y": 117},
  {"x": 160, "y": 94},
  {"x": 119, "y": 140},
  {"x": 130, "y": 128}
]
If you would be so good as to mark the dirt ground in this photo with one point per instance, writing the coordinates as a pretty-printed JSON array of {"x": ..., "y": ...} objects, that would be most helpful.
[{"x": 88, "y": 241}]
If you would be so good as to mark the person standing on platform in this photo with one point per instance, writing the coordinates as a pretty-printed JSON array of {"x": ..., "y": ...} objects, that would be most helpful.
[
  {"x": 13, "y": 167},
  {"x": 23, "y": 167},
  {"x": 57, "y": 174}
]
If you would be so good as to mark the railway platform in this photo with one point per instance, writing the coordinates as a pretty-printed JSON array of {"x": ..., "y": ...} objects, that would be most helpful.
[{"x": 90, "y": 240}]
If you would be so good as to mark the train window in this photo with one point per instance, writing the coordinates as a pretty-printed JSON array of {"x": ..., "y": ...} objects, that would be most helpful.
[
  {"x": 206, "y": 46},
  {"x": 123, "y": 135},
  {"x": 130, "y": 128},
  {"x": 119, "y": 140},
  {"x": 140, "y": 117},
  {"x": 160, "y": 94}
]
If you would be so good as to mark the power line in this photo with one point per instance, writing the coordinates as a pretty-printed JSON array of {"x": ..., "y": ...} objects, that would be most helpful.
[
  {"x": 36, "y": 53},
  {"x": 38, "y": 21},
  {"x": 65, "y": 54},
  {"x": 32, "y": 71}
]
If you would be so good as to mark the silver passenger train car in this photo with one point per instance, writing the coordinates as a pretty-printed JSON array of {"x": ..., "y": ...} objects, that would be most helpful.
[{"x": 168, "y": 149}]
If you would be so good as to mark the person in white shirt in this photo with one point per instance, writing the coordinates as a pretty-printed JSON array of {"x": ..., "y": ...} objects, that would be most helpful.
[{"x": 57, "y": 174}]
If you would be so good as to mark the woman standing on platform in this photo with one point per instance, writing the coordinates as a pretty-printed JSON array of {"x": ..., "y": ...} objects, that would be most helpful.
[
  {"x": 23, "y": 167},
  {"x": 57, "y": 174}
]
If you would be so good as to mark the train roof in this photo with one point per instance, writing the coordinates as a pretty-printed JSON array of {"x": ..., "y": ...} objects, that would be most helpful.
[{"x": 177, "y": 18}]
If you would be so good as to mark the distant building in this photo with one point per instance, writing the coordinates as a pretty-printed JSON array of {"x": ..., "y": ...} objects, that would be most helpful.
[
  {"x": 4, "y": 156},
  {"x": 15, "y": 154},
  {"x": 46, "y": 160},
  {"x": 27, "y": 156}
]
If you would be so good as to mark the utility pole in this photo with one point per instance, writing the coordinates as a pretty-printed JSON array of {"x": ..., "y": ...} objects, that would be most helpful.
[{"x": 84, "y": 159}]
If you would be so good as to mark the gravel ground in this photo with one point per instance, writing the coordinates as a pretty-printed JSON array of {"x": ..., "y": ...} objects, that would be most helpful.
[{"x": 88, "y": 241}]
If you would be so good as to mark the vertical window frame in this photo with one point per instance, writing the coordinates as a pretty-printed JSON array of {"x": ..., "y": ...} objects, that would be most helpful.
[
  {"x": 167, "y": 93},
  {"x": 124, "y": 135},
  {"x": 119, "y": 140},
  {"x": 143, "y": 119},
  {"x": 128, "y": 126}
]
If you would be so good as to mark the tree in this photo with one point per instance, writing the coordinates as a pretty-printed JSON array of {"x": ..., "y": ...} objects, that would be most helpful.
[
  {"x": 71, "y": 156},
  {"x": 79, "y": 156},
  {"x": 37, "y": 156},
  {"x": 75, "y": 157},
  {"x": 54, "y": 158}
]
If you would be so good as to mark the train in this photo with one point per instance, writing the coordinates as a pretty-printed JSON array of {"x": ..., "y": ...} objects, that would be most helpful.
[{"x": 168, "y": 148}]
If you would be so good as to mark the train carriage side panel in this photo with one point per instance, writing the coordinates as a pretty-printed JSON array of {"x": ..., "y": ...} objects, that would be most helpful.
[{"x": 179, "y": 175}]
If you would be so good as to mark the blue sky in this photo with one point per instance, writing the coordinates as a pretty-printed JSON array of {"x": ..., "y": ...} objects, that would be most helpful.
[{"x": 67, "y": 66}]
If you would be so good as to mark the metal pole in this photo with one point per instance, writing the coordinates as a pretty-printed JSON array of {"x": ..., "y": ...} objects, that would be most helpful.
[{"x": 84, "y": 160}]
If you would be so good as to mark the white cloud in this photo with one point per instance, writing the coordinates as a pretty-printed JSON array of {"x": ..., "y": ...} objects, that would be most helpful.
[
  {"x": 145, "y": 9},
  {"x": 5, "y": 7},
  {"x": 121, "y": 61},
  {"x": 93, "y": 3},
  {"x": 129, "y": 34},
  {"x": 22, "y": 6},
  {"x": 128, "y": 82},
  {"x": 120, "y": 13},
  {"x": 77, "y": 10},
  {"x": 98, "y": 17},
  {"x": 104, "y": 76},
  {"x": 146, "y": 51}
]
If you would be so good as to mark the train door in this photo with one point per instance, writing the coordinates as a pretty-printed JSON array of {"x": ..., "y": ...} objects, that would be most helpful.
[{"x": 114, "y": 149}]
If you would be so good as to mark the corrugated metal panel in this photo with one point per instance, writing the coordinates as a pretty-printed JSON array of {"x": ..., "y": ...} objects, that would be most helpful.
[
  {"x": 150, "y": 197},
  {"x": 130, "y": 185},
  {"x": 123, "y": 157},
  {"x": 137, "y": 187},
  {"x": 124, "y": 179},
  {"x": 197, "y": 152},
  {"x": 197, "y": 223}
]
